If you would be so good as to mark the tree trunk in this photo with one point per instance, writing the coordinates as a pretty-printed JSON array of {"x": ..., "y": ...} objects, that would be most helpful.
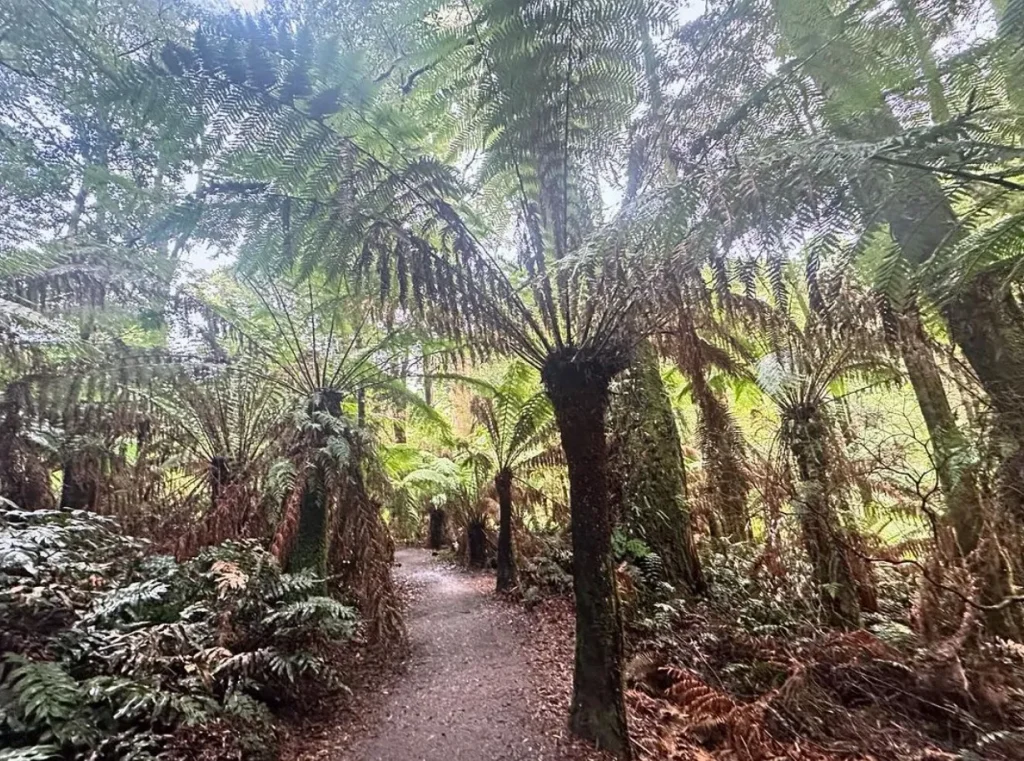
[
  {"x": 310, "y": 552},
  {"x": 361, "y": 554},
  {"x": 722, "y": 450},
  {"x": 647, "y": 467},
  {"x": 435, "y": 538},
  {"x": 220, "y": 479},
  {"x": 506, "y": 552},
  {"x": 959, "y": 485},
  {"x": 579, "y": 396},
  {"x": 428, "y": 384},
  {"x": 312, "y": 543},
  {"x": 78, "y": 487},
  {"x": 823, "y": 536},
  {"x": 23, "y": 478},
  {"x": 476, "y": 543}
]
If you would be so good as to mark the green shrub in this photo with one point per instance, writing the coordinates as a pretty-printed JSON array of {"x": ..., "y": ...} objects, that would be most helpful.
[{"x": 110, "y": 651}]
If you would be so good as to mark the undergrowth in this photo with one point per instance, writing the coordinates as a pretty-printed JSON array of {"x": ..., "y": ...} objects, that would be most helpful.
[
  {"x": 750, "y": 671},
  {"x": 111, "y": 652}
]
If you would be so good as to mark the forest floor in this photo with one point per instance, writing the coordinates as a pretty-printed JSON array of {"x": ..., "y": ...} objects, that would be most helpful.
[{"x": 479, "y": 683}]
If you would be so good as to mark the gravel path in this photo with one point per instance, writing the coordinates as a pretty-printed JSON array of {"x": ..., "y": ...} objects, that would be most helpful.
[{"x": 466, "y": 692}]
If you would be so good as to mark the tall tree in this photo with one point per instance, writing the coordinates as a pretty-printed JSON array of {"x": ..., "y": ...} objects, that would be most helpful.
[
  {"x": 647, "y": 462},
  {"x": 554, "y": 116}
]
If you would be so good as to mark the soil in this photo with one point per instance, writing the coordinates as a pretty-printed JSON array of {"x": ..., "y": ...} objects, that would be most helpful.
[{"x": 470, "y": 689}]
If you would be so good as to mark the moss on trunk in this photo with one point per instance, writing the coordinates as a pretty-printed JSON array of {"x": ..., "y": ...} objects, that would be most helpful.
[
  {"x": 646, "y": 464},
  {"x": 579, "y": 395},
  {"x": 723, "y": 451},
  {"x": 506, "y": 552},
  {"x": 806, "y": 432}
]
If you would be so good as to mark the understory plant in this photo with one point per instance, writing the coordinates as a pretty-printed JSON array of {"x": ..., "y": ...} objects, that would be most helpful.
[{"x": 113, "y": 652}]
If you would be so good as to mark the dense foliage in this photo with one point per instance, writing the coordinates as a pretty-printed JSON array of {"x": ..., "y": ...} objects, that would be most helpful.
[
  {"x": 654, "y": 304},
  {"x": 115, "y": 652}
]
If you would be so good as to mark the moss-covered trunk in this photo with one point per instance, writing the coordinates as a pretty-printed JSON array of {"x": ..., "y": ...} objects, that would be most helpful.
[
  {"x": 722, "y": 451},
  {"x": 807, "y": 433},
  {"x": 312, "y": 542},
  {"x": 506, "y": 552},
  {"x": 361, "y": 554},
  {"x": 646, "y": 464},
  {"x": 579, "y": 395}
]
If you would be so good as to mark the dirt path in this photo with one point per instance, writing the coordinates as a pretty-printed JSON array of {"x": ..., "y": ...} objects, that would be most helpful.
[{"x": 465, "y": 694}]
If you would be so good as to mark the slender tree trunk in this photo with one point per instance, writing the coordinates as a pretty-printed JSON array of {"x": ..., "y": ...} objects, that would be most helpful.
[
  {"x": 579, "y": 395},
  {"x": 958, "y": 484},
  {"x": 428, "y": 384},
  {"x": 506, "y": 552},
  {"x": 647, "y": 467},
  {"x": 822, "y": 533}
]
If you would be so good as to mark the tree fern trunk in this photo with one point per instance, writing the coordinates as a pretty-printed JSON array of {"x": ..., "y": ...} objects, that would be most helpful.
[
  {"x": 435, "y": 532},
  {"x": 310, "y": 551},
  {"x": 506, "y": 552},
  {"x": 78, "y": 485},
  {"x": 579, "y": 395},
  {"x": 647, "y": 466},
  {"x": 476, "y": 543},
  {"x": 23, "y": 478},
  {"x": 806, "y": 432},
  {"x": 721, "y": 445},
  {"x": 312, "y": 542}
]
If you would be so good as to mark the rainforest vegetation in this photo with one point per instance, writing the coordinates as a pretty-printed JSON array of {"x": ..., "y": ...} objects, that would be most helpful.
[{"x": 704, "y": 321}]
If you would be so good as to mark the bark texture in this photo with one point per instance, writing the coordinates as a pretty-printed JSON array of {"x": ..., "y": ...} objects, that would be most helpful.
[
  {"x": 647, "y": 469},
  {"x": 310, "y": 551},
  {"x": 722, "y": 449},
  {"x": 806, "y": 431},
  {"x": 579, "y": 395},
  {"x": 958, "y": 483},
  {"x": 506, "y": 552},
  {"x": 78, "y": 484}
]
